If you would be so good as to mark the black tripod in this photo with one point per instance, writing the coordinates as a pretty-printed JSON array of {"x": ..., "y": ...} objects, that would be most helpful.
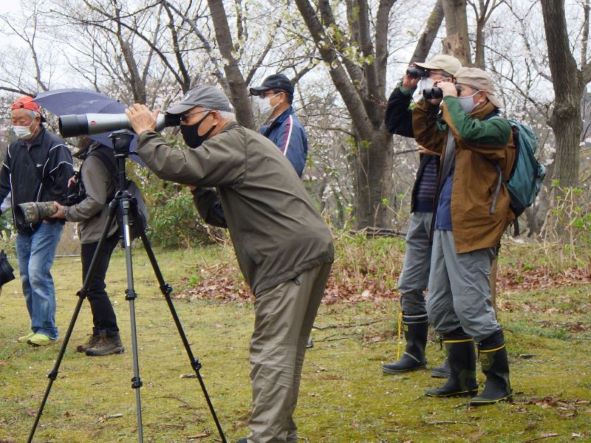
[{"x": 125, "y": 203}]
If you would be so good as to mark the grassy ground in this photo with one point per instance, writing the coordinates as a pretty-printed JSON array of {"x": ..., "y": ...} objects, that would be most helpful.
[{"x": 344, "y": 396}]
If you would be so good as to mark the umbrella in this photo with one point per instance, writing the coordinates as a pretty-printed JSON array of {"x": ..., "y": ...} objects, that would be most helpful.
[{"x": 83, "y": 101}]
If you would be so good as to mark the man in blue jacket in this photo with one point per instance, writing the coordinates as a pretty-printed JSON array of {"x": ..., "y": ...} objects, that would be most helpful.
[
  {"x": 273, "y": 99},
  {"x": 36, "y": 169}
]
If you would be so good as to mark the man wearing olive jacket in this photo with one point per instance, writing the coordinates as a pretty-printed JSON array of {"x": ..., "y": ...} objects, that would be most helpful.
[
  {"x": 283, "y": 246},
  {"x": 472, "y": 213}
]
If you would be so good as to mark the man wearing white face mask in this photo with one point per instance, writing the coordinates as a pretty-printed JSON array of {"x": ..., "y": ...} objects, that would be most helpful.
[
  {"x": 274, "y": 99},
  {"x": 36, "y": 169},
  {"x": 415, "y": 272},
  {"x": 477, "y": 152}
]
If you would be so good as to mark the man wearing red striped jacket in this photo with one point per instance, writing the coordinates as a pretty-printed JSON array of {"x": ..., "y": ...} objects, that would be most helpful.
[{"x": 273, "y": 99}]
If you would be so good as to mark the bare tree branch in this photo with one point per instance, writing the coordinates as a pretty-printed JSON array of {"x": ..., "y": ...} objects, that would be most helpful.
[{"x": 427, "y": 38}]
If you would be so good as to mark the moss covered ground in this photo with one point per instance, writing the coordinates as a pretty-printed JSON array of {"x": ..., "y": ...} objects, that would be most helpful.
[{"x": 344, "y": 396}]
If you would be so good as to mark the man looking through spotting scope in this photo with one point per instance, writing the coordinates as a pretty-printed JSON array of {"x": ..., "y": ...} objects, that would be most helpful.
[
  {"x": 414, "y": 277},
  {"x": 283, "y": 246},
  {"x": 98, "y": 178},
  {"x": 37, "y": 168}
]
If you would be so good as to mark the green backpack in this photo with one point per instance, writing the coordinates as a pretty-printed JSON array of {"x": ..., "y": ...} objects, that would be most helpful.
[
  {"x": 525, "y": 181},
  {"x": 527, "y": 174}
]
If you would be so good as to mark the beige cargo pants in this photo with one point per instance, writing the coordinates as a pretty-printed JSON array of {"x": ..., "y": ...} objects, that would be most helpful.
[{"x": 284, "y": 316}]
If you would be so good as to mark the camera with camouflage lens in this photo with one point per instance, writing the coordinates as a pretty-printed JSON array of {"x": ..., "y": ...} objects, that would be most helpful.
[
  {"x": 432, "y": 93},
  {"x": 33, "y": 212},
  {"x": 417, "y": 72}
]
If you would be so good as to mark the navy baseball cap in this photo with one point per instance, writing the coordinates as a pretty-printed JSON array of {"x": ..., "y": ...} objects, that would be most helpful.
[{"x": 275, "y": 82}]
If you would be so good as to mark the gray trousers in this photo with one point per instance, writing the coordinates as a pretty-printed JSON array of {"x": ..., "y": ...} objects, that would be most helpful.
[
  {"x": 415, "y": 271},
  {"x": 284, "y": 316},
  {"x": 459, "y": 289}
]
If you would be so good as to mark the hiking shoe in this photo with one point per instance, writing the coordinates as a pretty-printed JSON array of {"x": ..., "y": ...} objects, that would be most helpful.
[
  {"x": 92, "y": 341},
  {"x": 25, "y": 338},
  {"x": 40, "y": 340},
  {"x": 106, "y": 345}
]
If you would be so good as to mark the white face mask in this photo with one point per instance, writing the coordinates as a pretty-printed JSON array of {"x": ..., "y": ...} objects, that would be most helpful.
[
  {"x": 263, "y": 107},
  {"x": 467, "y": 102},
  {"x": 22, "y": 132},
  {"x": 424, "y": 83}
]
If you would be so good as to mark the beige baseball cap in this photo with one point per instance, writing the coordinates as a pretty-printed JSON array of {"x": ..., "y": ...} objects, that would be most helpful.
[
  {"x": 478, "y": 79},
  {"x": 442, "y": 62}
]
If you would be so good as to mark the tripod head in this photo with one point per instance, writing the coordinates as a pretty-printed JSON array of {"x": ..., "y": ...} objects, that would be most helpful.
[
  {"x": 132, "y": 215},
  {"x": 121, "y": 141}
]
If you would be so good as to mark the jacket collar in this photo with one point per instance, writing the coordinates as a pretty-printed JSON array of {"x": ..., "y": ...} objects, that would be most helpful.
[
  {"x": 280, "y": 118},
  {"x": 485, "y": 111},
  {"x": 37, "y": 141}
]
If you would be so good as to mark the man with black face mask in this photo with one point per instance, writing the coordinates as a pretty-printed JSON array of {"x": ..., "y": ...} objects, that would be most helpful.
[{"x": 283, "y": 246}]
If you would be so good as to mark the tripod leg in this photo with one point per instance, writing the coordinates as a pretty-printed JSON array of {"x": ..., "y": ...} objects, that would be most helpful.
[
  {"x": 82, "y": 293},
  {"x": 166, "y": 290},
  {"x": 130, "y": 295}
]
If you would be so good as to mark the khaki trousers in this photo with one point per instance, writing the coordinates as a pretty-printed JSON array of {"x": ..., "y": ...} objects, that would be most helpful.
[{"x": 284, "y": 316}]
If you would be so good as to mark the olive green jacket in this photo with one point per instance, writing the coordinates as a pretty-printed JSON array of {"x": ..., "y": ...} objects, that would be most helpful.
[
  {"x": 276, "y": 232},
  {"x": 482, "y": 148}
]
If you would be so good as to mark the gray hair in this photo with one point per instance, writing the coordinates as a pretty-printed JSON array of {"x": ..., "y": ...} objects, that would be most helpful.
[{"x": 228, "y": 115}]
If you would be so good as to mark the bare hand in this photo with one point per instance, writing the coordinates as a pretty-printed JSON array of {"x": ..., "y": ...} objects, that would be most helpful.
[
  {"x": 448, "y": 88},
  {"x": 59, "y": 211},
  {"x": 72, "y": 181},
  {"x": 141, "y": 118},
  {"x": 410, "y": 82}
]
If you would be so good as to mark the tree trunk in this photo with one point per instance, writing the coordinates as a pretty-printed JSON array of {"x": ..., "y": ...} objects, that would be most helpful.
[
  {"x": 362, "y": 88},
  {"x": 479, "y": 56},
  {"x": 238, "y": 87},
  {"x": 568, "y": 83},
  {"x": 456, "y": 42},
  {"x": 373, "y": 179}
]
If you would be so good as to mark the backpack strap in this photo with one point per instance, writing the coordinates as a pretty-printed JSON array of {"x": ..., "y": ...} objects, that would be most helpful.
[{"x": 493, "y": 206}]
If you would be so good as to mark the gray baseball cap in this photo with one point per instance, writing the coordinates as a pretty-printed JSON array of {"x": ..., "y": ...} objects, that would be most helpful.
[{"x": 208, "y": 97}]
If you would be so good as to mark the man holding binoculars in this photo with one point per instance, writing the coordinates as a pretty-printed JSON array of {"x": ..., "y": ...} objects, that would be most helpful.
[
  {"x": 37, "y": 168},
  {"x": 415, "y": 272}
]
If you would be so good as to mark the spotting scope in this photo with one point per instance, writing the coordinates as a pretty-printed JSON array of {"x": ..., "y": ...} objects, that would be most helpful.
[{"x": 90, "y": 124}]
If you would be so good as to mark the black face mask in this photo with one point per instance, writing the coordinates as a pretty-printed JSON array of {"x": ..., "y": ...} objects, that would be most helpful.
[{"x": 191, "y": 135}]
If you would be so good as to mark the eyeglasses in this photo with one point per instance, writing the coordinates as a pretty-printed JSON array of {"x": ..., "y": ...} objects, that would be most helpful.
[
  {"x": 270, "y": 93},
  {"x": 185, "y": 117}
]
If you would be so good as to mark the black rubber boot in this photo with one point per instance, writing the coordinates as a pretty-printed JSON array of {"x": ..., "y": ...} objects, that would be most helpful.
[
  {"x": 462, "y": 368},
  {"x": 415, "y": 332},
  {"x": 441, "y": 371},
  {"x": 492, "y": 354},
  {"x": 107, "y": 345}
]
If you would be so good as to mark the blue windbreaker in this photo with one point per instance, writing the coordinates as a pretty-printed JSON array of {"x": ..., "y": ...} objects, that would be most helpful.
[{"x": 289, "y": 136}]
